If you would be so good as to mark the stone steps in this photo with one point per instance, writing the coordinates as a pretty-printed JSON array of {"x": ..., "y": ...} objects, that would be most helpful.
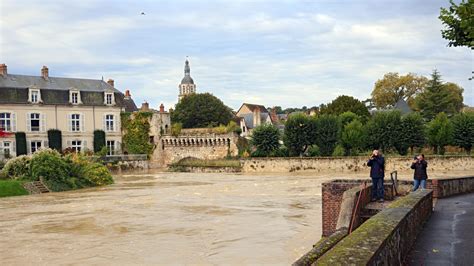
[{"x": 36, "y": 187}]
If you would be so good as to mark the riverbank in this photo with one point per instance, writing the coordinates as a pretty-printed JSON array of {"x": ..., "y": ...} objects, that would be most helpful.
[{"x": 10, "y": 188}]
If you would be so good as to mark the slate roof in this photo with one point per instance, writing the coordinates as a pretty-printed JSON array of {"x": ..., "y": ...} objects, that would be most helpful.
[
  {"x": 252, "y": 107},
  {"x": 55, "y": 91},
  {"x": 403, "y": 106},
  {"x": 248, "y": 119}
]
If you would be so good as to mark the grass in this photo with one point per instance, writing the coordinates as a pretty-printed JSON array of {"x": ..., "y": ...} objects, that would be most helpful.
[
  {"x": 209, "y": 163},
  {"x": 12, "y": 188}
]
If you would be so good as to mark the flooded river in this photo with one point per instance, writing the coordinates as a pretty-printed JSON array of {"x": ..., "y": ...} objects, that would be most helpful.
[{"x": 166, "y": 218}]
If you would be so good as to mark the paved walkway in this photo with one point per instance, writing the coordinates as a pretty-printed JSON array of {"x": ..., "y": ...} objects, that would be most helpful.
[{"x": 448, "y": 238}]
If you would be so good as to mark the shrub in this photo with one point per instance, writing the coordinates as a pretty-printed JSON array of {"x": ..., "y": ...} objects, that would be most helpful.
[
  {"x": 55, "y": 139},
  {"x": 265, "y": 138},
  {"x": 18, "y": 167},
  {"x": 96, "y": 174},
  {"x": 20, "y": 139},
  {"x": 280, "y": 152},
  {"x": 440, "y": 133},
  {"x": 463, "y": 131},
  {"x": 353, "y": 137},
  {"x": 338, "y": 151},
  {"x": 314, "y": 151},
  {"x": 48, "y": 164},
  {"x": 221, "y": 129},
  {"x": 176, "y": 129},
  {"x": 99, "y": 140}
]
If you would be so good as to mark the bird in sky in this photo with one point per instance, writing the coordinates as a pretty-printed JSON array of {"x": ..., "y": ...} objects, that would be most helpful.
[{"x": 143, "y": 13}]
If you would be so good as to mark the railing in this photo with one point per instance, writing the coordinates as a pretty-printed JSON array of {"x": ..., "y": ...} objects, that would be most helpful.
[
  {"x": 394, "y": 178},
  {"x": 125, "y": 157}
]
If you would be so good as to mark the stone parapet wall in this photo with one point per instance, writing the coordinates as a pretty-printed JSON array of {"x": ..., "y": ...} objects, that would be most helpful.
[
  {"x": 351, "y": 164},
  {"x": 386, "y": 238},
  {"x": 446, "y": 187}
]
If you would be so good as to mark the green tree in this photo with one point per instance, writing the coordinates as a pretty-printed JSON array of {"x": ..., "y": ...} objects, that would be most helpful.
[
  {"x": 463, "y": 131},
  {"x": 382, "y": 130},
  {"x": 393, "y": 87},
  {"x": 327, "y": 133},
  {"x": 201, "y": 110},
  {"x": 411, "y": 133},
  {"x": 265, "y": 138},
  {"x": 353, "y": 137},
  {"x": 458, "y": 21},
  {"x": 439, "y": 97},
  {"x": 347, "y": 117},
  {"x": 299, "y": 133},
  {"x": 343, "y": 104},
  {"x": 439, "y": 133}
]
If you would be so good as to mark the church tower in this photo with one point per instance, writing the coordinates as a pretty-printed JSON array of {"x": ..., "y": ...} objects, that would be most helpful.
[{"x": 187, "y": 85}]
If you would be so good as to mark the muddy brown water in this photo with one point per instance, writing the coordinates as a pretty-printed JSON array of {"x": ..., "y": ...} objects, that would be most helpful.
[{"x": 167, "y": 218}]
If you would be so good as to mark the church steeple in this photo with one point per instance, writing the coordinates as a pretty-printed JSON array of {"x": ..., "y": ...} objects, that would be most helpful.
[{"x": 187, "y": 85}]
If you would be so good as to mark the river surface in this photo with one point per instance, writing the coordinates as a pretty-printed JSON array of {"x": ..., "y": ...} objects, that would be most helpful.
[{"x": 166, "y": 218}]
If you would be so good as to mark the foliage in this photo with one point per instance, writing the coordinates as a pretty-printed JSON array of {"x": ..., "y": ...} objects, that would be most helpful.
[
  {"x": 382, "y": 130},
  {"x": 49, "y": 165},
  {"x": 439, "y": 97},
  {"x": 99, "y": 140},
  {"x": 393, "y": 87},
  {"x": 338, "y": 151},
  {"x": 18, "y": 167},
  {"x": 463, "y": 131},
  {"x": 353, "y": 137},
  {"x": 345, "y": 104},
  {"x": 314, "y": 151},
  {"x": 411, "y": 133},
  {"x": 96, "y": 174},
  {"x": 265, "y": 138},
  {"x": 282, "y": 151},
  {"x": 458, "y": 21},
  {"x": 221, "y": 129},
  {"x": 176, "y": 129},
  {"x": 201, "y": 110},
  {"x": 299, "y": 133},
  {"x": 55, "y": 139},
  {"x": 243, "y": 146},
  {"x": 136, "y": 139},
  {"x": 347, "y": 117},
  {"x": 233, "y": 127},
  {"x": 327, "y": 133},
  {"x": 20, "y": 139},
  {"x": 439, "y": 133},
  {"x": 12, "y": 188}
]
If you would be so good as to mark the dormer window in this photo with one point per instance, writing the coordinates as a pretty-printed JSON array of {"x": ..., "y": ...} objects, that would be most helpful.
[
  {"x": 75, "y": 97},
  {"x": 109, "y": 98},
  {"x": 34, "y": 96}
]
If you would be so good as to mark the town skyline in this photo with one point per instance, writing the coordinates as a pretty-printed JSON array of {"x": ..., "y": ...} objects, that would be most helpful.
[{"x": 279, "y": 54}]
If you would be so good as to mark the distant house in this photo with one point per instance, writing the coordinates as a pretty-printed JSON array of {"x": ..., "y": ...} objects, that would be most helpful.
[
  {"x": 251, "y": 116},
  {"x": 402, "y": 106}
]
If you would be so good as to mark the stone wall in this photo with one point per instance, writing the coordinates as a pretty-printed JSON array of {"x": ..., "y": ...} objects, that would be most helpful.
[
  {"x": 170, "y": 149},
  {"x": 451, "y": 186},
  {"x": 386, "y": 238},
  {"x": 351, "y": 164}
]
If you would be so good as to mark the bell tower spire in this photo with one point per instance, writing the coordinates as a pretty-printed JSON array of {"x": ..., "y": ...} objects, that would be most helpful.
[{"x": 187, "y": 85}]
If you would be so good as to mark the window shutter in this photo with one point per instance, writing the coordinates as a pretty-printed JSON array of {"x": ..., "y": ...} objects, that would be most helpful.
[
  {"x": 28, "y": 122},
  {"x": 43, "y": 122},
  {"x": 118, "y": 147},
  {"x": 68, "y": 144},
  {"x": 104, "y": 122},
  {"x": 13, "y": 119},
  {"x": 118, "y": 126},
  {"x": 28, "y": 147},
  {"x": 69, "y": 122},
  {"x": 14, "y": 146},
  {"x": 84, "y": 145},
  {"x": 82, "y": 122},
  {"x": 46, "y": 144}
]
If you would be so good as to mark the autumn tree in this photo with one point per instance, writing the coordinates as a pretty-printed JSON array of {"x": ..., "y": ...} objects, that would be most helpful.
[
  {"x": 439, "y": 97},
  {"x": 394, "y": 87},
  {"x": 458, "y": 21}
]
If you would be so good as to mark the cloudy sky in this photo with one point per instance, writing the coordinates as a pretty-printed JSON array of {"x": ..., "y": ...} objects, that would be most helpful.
[{"x": 290, "y": 53}]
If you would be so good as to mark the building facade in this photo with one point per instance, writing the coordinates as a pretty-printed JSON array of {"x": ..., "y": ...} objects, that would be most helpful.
[
  {"x": 76, "y": 107},
  {"x": 251, "y": 116},
  {"x": 187, "y": 85}
]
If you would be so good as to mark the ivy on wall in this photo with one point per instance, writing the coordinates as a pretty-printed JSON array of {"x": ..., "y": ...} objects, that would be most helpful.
[{"x": 136, "y": 127}]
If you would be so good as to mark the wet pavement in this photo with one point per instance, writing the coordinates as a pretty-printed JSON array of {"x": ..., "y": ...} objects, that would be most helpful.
[
  {"x": 448, "y": 237},
  {"x": 166, "y": 218}
]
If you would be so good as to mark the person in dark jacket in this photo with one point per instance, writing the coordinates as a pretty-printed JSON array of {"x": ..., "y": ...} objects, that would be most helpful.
[
  {"x": 419, "y": 164},
  {"x": 377, "y": 173}
]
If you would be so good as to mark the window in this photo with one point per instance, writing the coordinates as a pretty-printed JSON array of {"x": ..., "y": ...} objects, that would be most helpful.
[
  {"x": 5, "y": 122},
  {"x": 75, "y": 97},
  {"x": 6, "y": 149},
  {"x": 35, "y": 145},
  {"x": 35, "y": 122},
  {"x": 34, "y": 96},
  {"x": 109, "y": 123},
  {"x": 110, "y": 147},
  {"x": 76, "y": 145},
  {"x": 109, "y": 98},
  {"x": 75, "y": 122}
]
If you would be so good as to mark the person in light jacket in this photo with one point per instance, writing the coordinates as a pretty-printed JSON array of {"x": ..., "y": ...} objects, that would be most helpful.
[
  {"x": 377, "y": 173},
  {"x": 420, "y": 175}
]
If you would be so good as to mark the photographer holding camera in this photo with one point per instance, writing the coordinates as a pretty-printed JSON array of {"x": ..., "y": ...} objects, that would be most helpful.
[
  {"x": 420, "y": 175},
  {"x": 377, "y": 173}
]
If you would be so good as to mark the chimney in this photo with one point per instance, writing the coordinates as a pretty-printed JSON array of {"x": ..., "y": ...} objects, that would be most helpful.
[
  {"x": 45, "y": 72},
  {"x": 127, "y": 95},
  {"x": 274, "y": 115},
  {"x": 111, "y": 82},
  {"x": 145, "y": 107},
  {"x": 162, "y": 108},
  {"x": 256, "y": 117},
  {"x": 3, "y": 70}
]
